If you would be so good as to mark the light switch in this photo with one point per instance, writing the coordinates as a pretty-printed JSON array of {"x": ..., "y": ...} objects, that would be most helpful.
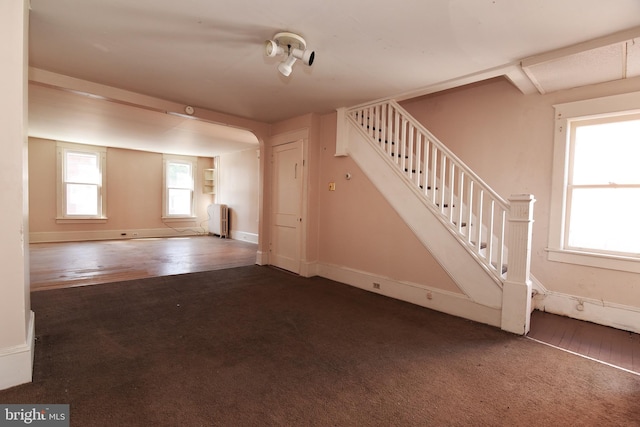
[{"x": 332, "y": 186}]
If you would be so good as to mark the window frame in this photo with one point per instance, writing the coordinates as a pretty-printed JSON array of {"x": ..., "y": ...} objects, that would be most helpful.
[
  {"x": 62, "y": 148},
  {"x": 167, "y": 159},
  {"x": 566, "y": 115}
]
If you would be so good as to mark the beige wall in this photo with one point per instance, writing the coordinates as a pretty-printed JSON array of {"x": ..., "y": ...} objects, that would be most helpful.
[
  {"x": 134, "y": 196},
  {"x": 239, "y": 188},
  {"x": 507, "y": 138}
]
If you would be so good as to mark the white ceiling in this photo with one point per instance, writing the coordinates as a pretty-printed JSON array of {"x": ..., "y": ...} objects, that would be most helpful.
[{"x": 209, "y": 53}]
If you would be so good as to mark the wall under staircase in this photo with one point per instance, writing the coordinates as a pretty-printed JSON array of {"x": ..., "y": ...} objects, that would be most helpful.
[{"x": 482, "y": 241}]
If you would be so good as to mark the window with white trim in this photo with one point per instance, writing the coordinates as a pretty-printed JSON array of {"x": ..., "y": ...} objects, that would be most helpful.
[
  {"x": 596, "y": 183},
  {"x": 179, "y": 186},
  {"x": 81, "y": 185}
]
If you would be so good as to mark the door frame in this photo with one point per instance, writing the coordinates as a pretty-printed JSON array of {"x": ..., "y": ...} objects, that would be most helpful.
[{"x": 280, "y": 139}]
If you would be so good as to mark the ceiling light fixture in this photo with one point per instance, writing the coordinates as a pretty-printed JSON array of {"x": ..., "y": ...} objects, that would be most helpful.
[{"x": 293, "y": 46}]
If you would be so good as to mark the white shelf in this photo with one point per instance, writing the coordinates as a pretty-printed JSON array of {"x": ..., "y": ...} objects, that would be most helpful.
[{"x": 209, "y": 185}]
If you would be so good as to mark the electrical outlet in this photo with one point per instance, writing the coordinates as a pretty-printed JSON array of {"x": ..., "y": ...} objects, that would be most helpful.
[
  {"x": 429, "y": 295},
  {"x": 376, "y": 286}
]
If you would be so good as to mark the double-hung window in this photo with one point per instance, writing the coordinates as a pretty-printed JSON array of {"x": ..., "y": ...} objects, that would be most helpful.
[
  {"x": 81, "y": 182},
  {"x": 179, "y": 187},
  {"x": 596, "y": 183}
]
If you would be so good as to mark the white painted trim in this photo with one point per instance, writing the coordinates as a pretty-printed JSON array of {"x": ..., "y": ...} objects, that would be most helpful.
[
  {"x": 79, "y": 236},
  {"x": 564, "y": 114},
  {"x": 512, "y": 71},
  {"x": 101, "y": 153},
  {"x": 342, "y": 133},
  {"x": 262, "y": 258},
  {"x": 610, "y": 262},
  {"x": 537, "y": 287},
  {"x": 192, "y": 161},
  {"x": 606, "y": 313},
  {"x": 291, "y": 136},
  {"x": 16, "y": 363},
  {"x": 244, "y": 236},
  {"x": 616, "y": 38},
  {"x": 444, "y": 301},
  {"x": 308, "y": 268},
  {"x": 294, "y": 136},
  {"x": 472, "y": 277}
]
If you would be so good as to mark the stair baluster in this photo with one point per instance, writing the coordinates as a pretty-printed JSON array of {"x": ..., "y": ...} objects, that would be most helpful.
[{"x": 472, "y": 209}]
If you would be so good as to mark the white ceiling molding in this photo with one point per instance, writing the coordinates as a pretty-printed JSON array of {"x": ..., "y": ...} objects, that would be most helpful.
[
  {"x": 610, "y": 58},
  {"x": 512, "y": 72}
]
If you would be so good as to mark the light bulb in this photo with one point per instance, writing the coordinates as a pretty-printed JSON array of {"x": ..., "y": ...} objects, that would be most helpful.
[
  {"x": 272, "y": 48},
  {"x": 286, "y": 66}
]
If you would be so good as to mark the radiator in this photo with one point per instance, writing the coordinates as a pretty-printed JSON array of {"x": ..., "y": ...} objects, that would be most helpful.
[{"x": 218, "y": 219}]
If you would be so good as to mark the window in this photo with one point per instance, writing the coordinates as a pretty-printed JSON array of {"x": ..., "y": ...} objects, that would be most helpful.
[
  {"x": 81, "y": 182},
  {"x": 179, "y": 173},
  {"x": 596, "y": 183}
]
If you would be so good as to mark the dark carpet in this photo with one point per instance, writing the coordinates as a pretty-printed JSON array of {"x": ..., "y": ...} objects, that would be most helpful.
[{"x": 256, "y": 346}]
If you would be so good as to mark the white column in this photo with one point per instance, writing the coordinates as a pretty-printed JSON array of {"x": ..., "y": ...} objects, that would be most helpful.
[
  {"x": 516, "y": 291},
  {"x": 16, "y": 318},
  {"x": 342, "y": 134}
]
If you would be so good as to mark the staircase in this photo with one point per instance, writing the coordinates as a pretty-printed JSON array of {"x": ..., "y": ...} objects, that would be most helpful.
[{"x": 466, "y": 225}]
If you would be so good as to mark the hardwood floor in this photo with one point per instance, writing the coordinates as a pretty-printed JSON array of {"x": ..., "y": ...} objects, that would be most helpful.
[
  {"x": 57, "y": 265},
  {"x": 612, "y": 346}
]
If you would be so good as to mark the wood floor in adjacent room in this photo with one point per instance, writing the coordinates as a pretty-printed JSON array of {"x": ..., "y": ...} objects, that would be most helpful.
[{"x": 59, "y": 265}]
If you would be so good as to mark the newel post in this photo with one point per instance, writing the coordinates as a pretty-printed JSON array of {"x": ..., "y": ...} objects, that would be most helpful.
[{"x": 516, "y": 291}]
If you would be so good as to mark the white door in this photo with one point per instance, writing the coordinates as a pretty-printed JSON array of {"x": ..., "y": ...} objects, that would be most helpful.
[{"x": 286, "y": 206}]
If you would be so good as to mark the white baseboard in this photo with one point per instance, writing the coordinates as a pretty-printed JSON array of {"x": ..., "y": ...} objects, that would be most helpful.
[
  {"x": 79, "y": 236},
  {"x": 262, "y": 258},
  {"x": 433, "y": 298},
  {"x": 615, "y": 315},
  {"x": 242, "y": 235},
  {"x": 16, "y": 363},
  {"x": 308, "y": 269}
]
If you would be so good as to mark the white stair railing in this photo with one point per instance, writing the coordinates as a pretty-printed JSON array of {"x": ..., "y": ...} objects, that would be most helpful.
[{"x": 474, "y": 212}]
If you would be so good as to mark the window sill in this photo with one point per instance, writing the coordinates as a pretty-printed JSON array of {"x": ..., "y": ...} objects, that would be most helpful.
[
  {"x": 81, "y": 220},
  {"x": 179, "y": 218},
  {"x": 590, "y": 259}
]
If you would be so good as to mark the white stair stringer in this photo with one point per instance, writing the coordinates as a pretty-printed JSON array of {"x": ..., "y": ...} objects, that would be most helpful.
[{"x": 460, "y": 264}]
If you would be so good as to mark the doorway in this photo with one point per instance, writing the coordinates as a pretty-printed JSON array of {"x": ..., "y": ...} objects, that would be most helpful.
[{"x": 286, "y": 206}]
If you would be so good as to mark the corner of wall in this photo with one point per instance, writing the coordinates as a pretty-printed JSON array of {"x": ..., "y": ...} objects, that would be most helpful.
[{"x": 16, "y": 363}]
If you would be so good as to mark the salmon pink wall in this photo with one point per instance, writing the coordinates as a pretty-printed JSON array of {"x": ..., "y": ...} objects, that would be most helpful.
[
  {"x": 359, "y": 230},
  {"x": 507, "y": 139},
  {"x": 42, "y": 184},
  {"x": 134, "y": 197},
  {"x": 238, "y": 188}
]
